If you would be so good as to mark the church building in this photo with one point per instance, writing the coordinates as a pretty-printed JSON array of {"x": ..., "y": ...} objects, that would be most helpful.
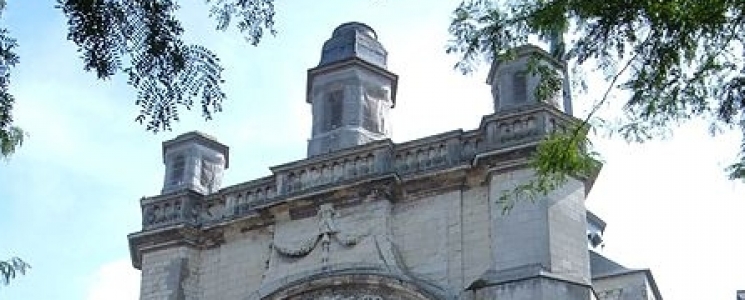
[{"x": 365, "y": 218}]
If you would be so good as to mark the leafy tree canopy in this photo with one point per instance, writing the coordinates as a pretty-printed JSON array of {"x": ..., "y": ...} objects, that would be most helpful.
[
  {"x": 144, "y": 40},
  {"x": 11, "y": 268},
  {"x": 10, "y": 136},
  {"x": 678, "y": 59}
]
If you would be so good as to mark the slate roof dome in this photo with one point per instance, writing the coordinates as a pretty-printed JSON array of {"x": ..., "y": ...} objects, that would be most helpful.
[
  {"x": 354, "y": 27},
  {"x": 353, "y": 40}
]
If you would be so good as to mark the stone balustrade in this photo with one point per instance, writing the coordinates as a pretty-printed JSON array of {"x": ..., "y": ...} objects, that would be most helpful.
[
  {"x": 165, "y": 210},
  {"x": 212, "y": 209},
  {"x": 413, "y": 158},
  {"x": 330, "y": 172},
  {"x": 471, "y": 142},
  {"x": 517, "y": 128},
  {"x": 425, "y": 154},
  {"x": 240, "y": 199},
  {"x": 334, "y": 168},
  {"x": 556, "y": 123}
]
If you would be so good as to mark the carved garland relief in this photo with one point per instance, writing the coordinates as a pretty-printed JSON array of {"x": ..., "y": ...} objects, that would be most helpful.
[
  {"x": 327, "y": 231},
  {"x": 350, "y": 286}
]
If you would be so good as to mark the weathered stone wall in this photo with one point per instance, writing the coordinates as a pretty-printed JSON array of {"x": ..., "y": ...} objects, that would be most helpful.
[
  {"x": 532, "y": 289},
  {"x": 365, "y": 218},
  {"x": 445, "y": 238},
  {"x": 170, "y": 274},
  {"x": 567, "y": 232},
  {"x": 521, "y": 236},
  {"x": 549, "y": 232},
  {"x": 421, "y": 233},
  {"x": 450, "y": 239},
  {"x": 425, "y": 212},
  {"x": 476, "y": 234},
  {"x": 629, "y": 286},
  {"x": 357, "y": 86},
  {"x": 235, "y": 268}
]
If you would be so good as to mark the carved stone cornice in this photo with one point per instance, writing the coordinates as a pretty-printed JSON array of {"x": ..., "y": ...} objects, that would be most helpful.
[
  {"x": 177, "y": 235},
  {"x": 447, "y": 161}
]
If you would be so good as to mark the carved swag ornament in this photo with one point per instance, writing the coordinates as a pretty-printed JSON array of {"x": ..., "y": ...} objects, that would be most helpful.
[{"x": 327, "y": 231}]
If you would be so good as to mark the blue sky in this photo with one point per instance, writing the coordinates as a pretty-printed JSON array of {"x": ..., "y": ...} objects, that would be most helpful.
[{"x": 69, "y": 196}]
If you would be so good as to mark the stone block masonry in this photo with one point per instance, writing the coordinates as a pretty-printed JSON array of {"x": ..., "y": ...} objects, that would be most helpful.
[{"x": 365, "y": 218}]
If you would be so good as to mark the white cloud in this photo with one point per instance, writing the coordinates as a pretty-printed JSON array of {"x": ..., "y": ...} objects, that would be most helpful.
[{"x": 116, "y": 280}]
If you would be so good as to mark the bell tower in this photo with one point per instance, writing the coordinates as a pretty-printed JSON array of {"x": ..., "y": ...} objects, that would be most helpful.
[
  {"x": 351, "y": 91},
  {"x": 515, "y": 81},
  {"x": 194, "y": 161}
]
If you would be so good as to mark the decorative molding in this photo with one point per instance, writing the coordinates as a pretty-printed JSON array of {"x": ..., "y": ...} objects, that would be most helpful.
[
  {"x": 414, "y": 159},
  {"x": 326, "y": 232},
  {"x": 373, "y": 171},
  {"x": 614, "y": 294},
  {"x": 355, "y": 283},
  {"x": 343, "y": 293}
]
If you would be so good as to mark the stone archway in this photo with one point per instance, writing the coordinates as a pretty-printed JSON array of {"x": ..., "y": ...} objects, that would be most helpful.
[{"x": 355, "y": 287}]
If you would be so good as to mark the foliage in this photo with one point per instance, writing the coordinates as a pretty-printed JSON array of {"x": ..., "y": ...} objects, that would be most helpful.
[
  {"x": 679, "y": 59},
  {"x": 11, "y": 268},
  {"x": 10, "y": 136},
  {"x": 144, "y": 40},
  {"x": 560, "y": 155}
]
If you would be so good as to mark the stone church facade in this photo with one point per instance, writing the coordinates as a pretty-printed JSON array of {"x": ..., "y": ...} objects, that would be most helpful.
[{"x": 365, "y": 218}]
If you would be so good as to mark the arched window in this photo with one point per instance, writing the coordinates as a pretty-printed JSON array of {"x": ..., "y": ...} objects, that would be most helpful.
[
  {"x": 519, "y": 88},
  {"x": 178, "y": 167},
  {"x": 208, "y": 174},
  {"x": 370, "y": 121},
  {"x": 334, "y": 110}
]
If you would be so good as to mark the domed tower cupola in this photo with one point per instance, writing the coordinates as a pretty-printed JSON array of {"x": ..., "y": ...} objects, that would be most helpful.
[
  {"x": 194, "y": 161},
  {"x": 514, "y": 85},
  {"x": 354, "y": 40},
  {"x": 351, "y": 91}
]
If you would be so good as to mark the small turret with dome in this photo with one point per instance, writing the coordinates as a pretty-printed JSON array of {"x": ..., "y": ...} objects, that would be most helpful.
[
  {"x": 354, "y": 39},
  {"x": 194, "y": 161},
  {"x": 351, "y": 91},
  {"x": 514, "y": 85}
]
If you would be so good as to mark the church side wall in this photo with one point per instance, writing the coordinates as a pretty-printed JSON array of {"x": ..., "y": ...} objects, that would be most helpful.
[
  {"x": 533, "y": 289},
  {"x": 235, "y": 268},
  {"x": 549, "y": 232},
  {"x": 519, "y": 236},
  {"x": 420, "y": 228},
  {"x": 445, "y": 238},
  {"x": 450, "y": 238},
  {"x": 567, "y": 231},
  {"x": 170, "y": 274},
  {"x": 632, "y": 286},
  {"x": 476, "y": 233}
]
